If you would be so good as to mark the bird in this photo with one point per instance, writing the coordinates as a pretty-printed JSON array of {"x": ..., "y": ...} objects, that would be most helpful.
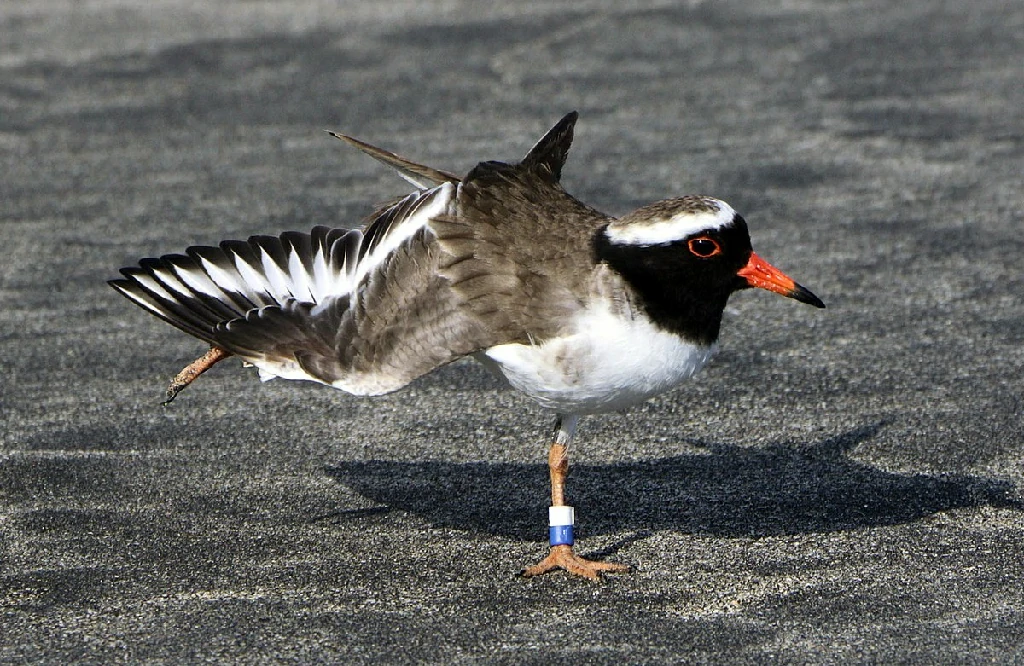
[{"x": 581, "y": 311}]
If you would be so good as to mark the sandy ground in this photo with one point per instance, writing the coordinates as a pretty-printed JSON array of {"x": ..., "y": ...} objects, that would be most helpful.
[{"x": 839, "y": 486}]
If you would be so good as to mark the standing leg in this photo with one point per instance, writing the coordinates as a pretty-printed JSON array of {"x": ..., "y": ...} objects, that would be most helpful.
[{"x": 562, "y": 516}]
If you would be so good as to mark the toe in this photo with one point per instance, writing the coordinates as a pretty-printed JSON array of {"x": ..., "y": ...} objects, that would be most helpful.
[{"x": 562, "y": 557}]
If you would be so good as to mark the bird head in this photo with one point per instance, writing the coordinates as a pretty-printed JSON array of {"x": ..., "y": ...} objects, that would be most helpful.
[{"x": 685, "y": 257}]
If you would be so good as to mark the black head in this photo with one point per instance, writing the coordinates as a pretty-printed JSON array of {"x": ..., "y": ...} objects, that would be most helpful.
[{"x": 684, "y": 258}]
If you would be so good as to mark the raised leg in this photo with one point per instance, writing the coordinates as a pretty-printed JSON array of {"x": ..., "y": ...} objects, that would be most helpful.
[
  {"x": 192, "y": 371},
  {"x": 562, "y": 555}
]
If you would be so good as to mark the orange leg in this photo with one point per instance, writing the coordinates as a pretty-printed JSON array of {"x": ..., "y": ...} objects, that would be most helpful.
[
  {"x": 561, "y": 555},
  {"x": 193, "y": 370}
]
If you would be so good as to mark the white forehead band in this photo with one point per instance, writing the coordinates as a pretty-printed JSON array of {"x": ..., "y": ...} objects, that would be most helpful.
[{"x": 669, "y": 229}]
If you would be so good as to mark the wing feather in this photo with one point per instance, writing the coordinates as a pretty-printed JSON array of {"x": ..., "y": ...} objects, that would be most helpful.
[
  {"x": 436, "y": 275},
  {"x": 420, "y": 175},
  {"x": 364, "y": 312}
]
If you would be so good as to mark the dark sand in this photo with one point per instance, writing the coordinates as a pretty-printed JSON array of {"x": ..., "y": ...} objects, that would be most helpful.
[{"x": 839, "y": 486}]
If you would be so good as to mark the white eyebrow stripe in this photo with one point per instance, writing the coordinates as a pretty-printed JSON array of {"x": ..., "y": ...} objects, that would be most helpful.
[{"x": 671, "y": 229}]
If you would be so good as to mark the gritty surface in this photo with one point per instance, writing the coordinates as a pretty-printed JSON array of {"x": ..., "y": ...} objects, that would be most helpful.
[{"x": 838, "y": 486}]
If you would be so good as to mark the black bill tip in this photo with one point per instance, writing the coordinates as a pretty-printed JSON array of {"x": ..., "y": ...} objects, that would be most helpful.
[{"x": 804, "y": 295}]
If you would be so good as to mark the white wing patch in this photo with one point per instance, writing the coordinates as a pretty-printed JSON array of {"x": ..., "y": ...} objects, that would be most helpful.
[
  {"x": 210, "y": 291},
  {"x": 424, "y": 206}
]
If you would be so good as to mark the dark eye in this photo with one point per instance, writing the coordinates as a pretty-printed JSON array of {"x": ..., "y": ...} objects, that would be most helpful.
[{"x": 704, "y": 247}]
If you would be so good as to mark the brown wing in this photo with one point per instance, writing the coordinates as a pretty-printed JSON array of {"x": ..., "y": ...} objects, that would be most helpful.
[
  {"x": 366, "y": 313},
  {"x": 520, "y": 247},
  {"x": 440, "y": 274}
]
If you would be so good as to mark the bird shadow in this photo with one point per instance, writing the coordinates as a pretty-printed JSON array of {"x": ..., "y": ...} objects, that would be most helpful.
[{"x": 726, "y": 490}]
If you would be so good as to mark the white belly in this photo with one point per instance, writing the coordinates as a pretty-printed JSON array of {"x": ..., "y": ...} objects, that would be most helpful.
[{"x": 607, "y": 362}]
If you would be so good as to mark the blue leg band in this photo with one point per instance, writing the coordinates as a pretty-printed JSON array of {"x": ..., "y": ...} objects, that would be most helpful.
[{"x": 560, "y": 535}]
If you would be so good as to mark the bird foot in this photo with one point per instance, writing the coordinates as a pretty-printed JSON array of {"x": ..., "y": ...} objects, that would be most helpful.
[{"x": 563, "y": 557}]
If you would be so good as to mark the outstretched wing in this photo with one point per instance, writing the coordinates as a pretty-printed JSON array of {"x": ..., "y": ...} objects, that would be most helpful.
[
  {"x": 449, "y": 270},
  {"x": 366, "y": 313}
]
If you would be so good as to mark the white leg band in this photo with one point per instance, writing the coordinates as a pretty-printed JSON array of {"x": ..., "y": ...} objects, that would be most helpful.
[{"x": 561, "y": 515}]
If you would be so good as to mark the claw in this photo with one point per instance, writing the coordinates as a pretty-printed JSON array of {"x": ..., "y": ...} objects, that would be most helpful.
[{"x": 563, "y": 557}]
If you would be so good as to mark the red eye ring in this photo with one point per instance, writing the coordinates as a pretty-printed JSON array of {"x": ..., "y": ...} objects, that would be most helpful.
[{"x": 704, "y": 247}]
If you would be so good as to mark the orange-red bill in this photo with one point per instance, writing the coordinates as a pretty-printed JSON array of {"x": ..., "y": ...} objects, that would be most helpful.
[{"x": 759, "y": 273}]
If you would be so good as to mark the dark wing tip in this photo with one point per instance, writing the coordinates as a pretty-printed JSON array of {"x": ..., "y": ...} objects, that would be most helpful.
[
  {"x": 547, "y": 157},
  {"x": 420, "y": 175}
]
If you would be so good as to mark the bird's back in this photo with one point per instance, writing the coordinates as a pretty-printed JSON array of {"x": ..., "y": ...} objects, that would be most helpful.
[{"x": 500, "y": 257}]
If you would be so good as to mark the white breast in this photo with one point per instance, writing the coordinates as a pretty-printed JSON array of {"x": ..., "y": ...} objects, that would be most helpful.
[{"x": 608, "y": 361}]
